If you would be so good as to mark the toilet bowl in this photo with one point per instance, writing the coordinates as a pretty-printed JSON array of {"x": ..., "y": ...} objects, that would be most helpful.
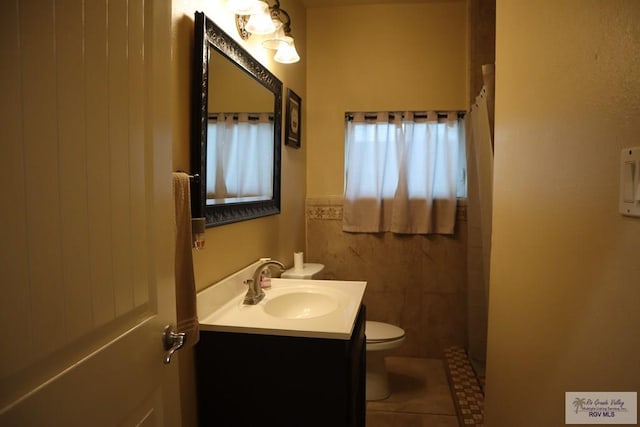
[{"x": 382, "y": 338}]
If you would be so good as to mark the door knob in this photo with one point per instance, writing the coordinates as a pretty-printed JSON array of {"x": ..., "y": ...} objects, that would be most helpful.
[{"x": 173, "y": 341}]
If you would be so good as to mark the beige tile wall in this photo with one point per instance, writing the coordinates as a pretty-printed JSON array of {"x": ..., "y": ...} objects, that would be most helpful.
[{"x": 416, "y": 282}]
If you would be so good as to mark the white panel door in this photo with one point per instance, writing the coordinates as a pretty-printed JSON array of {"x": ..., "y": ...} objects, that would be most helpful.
[{"x": 86, "y": 243}]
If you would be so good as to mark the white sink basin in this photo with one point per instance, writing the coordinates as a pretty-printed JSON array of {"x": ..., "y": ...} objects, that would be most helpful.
[
  {"x": 301, "y": 305},
  {"x": 291, "y": 307}
]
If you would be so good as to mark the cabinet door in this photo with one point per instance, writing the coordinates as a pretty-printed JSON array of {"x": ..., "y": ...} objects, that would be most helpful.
[
  {"x": 249, "y": 379},
  {"x": 357, "y": 373}
]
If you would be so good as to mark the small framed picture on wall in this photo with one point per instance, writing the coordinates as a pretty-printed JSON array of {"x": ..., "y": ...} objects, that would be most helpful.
[{"x": 293, "y": 118}]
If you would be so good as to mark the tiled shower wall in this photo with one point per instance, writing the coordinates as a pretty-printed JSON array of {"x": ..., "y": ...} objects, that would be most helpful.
[{"x": 414, "y": 281}]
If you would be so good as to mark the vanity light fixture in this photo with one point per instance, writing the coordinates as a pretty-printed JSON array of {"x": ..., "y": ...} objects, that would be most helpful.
[
  {"x": 287, "y": 54},
  {"x": 263, "y": 18},
  {"x": 260, "y": 21},
  {"x": 241, "y": 7}
]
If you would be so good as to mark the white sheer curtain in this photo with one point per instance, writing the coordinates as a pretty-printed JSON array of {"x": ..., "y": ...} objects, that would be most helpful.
[
  {"x": 239, "y": 155},
  {"x": 404, "y": 172}
]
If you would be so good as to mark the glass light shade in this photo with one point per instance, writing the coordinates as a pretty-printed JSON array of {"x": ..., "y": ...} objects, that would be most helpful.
[
  {"x": 260, "y": 22},
  {"x": 287, "y": 53},
  {"x": 242, "y": 7},
  {"x": 275, "y": 41}
]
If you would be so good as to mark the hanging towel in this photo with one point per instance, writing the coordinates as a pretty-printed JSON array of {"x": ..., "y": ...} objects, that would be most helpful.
[{"x": 186, "y": 309}]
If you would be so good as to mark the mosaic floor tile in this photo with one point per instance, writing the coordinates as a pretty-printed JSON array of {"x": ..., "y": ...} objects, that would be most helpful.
[{"x": 468, "y": 395}]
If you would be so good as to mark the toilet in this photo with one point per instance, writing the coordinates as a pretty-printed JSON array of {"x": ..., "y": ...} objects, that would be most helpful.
[
  {"x": 382, "y": 338},
  {"x": 307, "y": 272}
]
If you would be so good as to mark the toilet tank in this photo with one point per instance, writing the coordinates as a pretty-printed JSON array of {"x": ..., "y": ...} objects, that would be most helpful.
[{"x": 307, "y": 272}]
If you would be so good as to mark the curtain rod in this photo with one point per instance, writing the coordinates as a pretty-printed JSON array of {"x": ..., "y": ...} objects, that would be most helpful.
[
  {"x": 250, "y": 116},
  {"x": 416, "y": 114}
]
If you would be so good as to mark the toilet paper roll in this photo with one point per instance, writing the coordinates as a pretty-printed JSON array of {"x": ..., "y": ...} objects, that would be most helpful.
[{"x": 298, "y": 260}]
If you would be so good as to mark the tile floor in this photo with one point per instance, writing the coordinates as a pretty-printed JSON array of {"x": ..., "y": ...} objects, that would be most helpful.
[{"x": 420, "y": 397}]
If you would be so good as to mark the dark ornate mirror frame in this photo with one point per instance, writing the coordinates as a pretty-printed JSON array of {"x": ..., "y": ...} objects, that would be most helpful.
[{"x": 209, "y": 36}]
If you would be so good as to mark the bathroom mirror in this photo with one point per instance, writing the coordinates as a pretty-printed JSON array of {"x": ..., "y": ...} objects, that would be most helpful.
[{"x": 236, "y": 130}]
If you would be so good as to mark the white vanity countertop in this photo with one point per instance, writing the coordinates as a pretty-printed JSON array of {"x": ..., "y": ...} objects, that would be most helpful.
[{"x": 221, "y": 308}]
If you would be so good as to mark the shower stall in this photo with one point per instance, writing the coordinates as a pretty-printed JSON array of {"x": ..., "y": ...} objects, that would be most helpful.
[{"x": 479, "y": 144}]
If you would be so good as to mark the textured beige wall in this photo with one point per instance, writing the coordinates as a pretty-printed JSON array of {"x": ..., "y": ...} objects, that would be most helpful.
[
  {"x": 564, "y": 298},
  {"x": 408, "y": 56},
  {"x": 482, "y": 38}
]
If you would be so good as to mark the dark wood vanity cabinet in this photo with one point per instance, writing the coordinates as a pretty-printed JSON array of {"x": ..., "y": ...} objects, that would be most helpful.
[{"x": 252, "y": 380}]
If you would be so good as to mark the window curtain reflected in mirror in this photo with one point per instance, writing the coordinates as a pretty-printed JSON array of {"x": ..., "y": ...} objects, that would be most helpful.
[
  {"x": 240, "y": 156},
  {"x": 403, "y": 172}
]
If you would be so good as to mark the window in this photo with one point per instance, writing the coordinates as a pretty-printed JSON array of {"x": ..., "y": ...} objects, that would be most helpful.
[{"x": 403, "y": 172}]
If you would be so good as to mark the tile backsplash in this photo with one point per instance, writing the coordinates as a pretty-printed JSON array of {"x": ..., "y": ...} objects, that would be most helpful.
[{"x": 417, "y": 282}]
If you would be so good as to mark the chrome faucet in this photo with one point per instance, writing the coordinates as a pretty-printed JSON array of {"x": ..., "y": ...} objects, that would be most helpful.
[{"x": 255, "y": 294}]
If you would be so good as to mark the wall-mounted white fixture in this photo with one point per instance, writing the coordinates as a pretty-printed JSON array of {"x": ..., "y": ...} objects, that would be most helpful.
[
  {"x": 630, "y": 181},
  {"x": 263, "y": 18}
]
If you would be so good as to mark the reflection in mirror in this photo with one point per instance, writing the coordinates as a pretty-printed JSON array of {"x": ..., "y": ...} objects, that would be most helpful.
[
  {"x": 236, "y": 129},
  {"x": 239, "y": 135}
]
